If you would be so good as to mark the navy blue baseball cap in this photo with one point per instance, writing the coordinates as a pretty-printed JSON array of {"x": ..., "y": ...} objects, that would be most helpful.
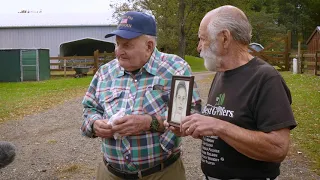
[{"x": 133, "y": 24}]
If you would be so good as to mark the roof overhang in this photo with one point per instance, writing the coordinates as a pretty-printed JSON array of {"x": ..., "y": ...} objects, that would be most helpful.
[
  {"x": 31, "y": 20},
  {"x": 313, "y": 33}
]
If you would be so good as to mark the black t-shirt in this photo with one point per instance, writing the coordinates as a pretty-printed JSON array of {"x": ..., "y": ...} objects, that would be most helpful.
[{"x": 255, "y": 97}]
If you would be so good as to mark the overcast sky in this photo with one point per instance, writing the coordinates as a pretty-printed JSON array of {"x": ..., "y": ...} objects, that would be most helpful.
[{"x": 57, "y": 6}]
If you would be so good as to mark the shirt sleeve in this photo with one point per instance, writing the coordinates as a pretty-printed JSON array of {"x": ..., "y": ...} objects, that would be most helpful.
[
  {"x": 273, "y": 110},
  {"x": 92, "y": 109}
]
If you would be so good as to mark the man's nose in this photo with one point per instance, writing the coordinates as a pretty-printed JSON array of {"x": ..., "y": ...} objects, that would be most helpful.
[
  {"x": 118, "y": 51},
  {"x": 199, "y": 47}
]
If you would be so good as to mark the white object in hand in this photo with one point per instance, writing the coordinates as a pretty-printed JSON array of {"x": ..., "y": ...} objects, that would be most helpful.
[{"x": 114, "y": 117}]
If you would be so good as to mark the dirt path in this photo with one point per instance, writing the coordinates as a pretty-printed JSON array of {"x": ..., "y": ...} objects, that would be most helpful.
[{"x": 50, "y": 147}]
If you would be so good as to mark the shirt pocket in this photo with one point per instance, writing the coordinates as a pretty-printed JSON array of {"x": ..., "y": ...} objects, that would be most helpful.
[
  {"x": 155, "y": 102},
  {"x": 111, "y": 103}
]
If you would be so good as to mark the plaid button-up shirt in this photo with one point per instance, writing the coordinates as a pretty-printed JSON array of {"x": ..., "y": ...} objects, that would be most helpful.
[{"x": 113, "y": 89}]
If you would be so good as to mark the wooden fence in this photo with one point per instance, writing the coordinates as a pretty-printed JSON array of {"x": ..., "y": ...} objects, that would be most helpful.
[
  {"x": 64, "y": 64},
  {"x": 276, "y": 58},
  {"x": 307, "y": 62}
]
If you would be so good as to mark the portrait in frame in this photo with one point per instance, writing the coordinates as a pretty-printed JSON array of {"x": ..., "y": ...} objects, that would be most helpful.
[{"x": 180, "y": 99}]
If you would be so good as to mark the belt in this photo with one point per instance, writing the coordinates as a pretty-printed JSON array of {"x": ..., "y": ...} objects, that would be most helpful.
[
  {"x": 212, "y": 178},
  {"x": 140, "y": 174}
]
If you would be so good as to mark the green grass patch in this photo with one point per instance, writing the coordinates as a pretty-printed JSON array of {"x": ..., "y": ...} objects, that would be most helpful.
[
  {"x": 70, "y": 168},
  {"x": 18, "y": 99},
  {"x": 305, "y": 91},
  {"x": 195, "y": 63},
  {"x": 52, "y": 141}
]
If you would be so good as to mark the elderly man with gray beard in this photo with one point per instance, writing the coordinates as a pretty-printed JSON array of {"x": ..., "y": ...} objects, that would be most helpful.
[{"x": 245, "y": 125}]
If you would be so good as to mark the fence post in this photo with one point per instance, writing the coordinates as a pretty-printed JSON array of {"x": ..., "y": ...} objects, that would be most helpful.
[
  {"x": 294, "y": 65},
  {"x": 299, "y": 58},
  {"x": 304, "y": 67},
  {"x": 96, "y": 61},
  {"x": 288, "y": 49},
  {"x": 316, "y": 63},
  {"x": 65, "y": 67},
  {"x": 289, "y": 40}
]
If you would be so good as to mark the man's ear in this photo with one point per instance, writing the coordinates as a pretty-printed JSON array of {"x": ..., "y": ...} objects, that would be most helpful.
[
  {"x": 150, "y": 45},
  {"x": 227, "y": 37}
]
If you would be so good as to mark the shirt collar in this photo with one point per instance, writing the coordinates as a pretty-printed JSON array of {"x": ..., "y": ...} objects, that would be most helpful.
[{"x": 153, "y": 63}]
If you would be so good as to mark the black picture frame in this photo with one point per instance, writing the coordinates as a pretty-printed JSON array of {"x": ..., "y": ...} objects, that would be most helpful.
[{"x": 180, "y": 104}]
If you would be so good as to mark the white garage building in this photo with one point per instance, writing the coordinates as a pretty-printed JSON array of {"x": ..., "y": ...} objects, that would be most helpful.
[{"x": 62, "y": 34}]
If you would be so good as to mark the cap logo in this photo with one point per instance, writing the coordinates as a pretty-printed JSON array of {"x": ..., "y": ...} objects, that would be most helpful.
[{"x": 124, "y": 22}]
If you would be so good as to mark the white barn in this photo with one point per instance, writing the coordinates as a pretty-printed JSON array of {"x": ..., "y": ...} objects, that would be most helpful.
[{"x": 62, "y": 34}]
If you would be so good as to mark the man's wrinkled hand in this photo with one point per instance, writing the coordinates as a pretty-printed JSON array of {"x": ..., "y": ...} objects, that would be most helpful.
[
  {"x": 175, "y": 130},
  {"x": 197, "y": 125},
  {"x": 132, "y": 124},
  {"x": 102, "y": 128}
]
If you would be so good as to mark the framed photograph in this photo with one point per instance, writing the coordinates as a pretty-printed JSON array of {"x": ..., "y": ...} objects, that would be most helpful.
[{"x": 180, "y": 99}]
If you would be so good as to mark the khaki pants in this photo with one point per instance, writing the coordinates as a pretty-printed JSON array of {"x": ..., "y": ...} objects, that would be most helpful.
[
  {"x": 211, "y": 178},
  {"x": 175, "y": 171}
]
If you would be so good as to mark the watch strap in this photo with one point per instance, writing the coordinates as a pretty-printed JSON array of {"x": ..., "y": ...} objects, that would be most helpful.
[{"x": 154, "y": 125}]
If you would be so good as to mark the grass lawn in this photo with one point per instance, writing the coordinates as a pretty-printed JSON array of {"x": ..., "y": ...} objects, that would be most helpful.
[
  {"x": 195, "y": 63},
  {"x": 305, "y": 91},
  {"x": 18, "y": 99}
]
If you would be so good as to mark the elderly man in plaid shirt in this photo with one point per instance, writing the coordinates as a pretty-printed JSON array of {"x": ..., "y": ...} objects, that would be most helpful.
[{"x": 137, "y": 83}]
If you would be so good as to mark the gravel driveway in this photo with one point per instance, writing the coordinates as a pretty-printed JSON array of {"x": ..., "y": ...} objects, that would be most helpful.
[{"x": 50, "y": 147}]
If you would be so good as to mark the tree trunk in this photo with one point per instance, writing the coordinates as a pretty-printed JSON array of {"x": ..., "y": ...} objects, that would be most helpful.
[{"x": 182, "y": 35}]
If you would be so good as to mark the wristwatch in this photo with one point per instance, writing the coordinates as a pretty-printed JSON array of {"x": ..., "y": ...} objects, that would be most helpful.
[{"x": 154, "y": 125}]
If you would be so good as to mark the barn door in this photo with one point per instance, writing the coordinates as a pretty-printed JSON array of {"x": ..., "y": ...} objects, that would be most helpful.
[{"x": 29, "y": 65}]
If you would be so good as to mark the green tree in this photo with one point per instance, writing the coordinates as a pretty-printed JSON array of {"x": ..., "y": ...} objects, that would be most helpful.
[
  {"x": 178, "y": 20},
  {"x": 265, "y": 29},
  {"x": 263, "y": 16},
  {"x": 314, "y": 12},
  {"x": 296, "y": 15}
]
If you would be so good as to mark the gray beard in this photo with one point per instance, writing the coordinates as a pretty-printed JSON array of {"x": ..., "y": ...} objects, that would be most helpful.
[
  {"x": 210, "y": 63},
  {"x": 210, "y": 58}
]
